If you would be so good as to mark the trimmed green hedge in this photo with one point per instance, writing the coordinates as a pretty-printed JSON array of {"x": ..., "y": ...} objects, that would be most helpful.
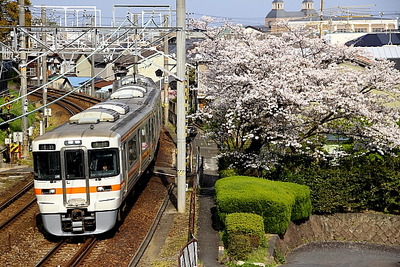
[
  {"x": 367, "y": 182},
  {"x": 276, "y": 202},
  {"x": 302, "y": 207},
  {"x": 243, "y": 233}
]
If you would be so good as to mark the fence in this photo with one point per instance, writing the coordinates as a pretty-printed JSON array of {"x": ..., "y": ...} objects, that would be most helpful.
[{"x": 188, "y": 255}]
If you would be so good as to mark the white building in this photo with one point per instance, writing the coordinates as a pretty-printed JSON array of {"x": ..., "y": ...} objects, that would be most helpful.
[{"x": 329, "y": 23}]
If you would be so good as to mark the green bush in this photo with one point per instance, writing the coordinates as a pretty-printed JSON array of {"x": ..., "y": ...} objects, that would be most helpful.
[
  {"x": 239, "y": 247},
  {"x": 272, "y": 200},
  {"x": 227, "y": 173},
  {"x": 368, "y": 182},
  {"x": 302, "y": 207},
  {"x": 243, "y": 233}
]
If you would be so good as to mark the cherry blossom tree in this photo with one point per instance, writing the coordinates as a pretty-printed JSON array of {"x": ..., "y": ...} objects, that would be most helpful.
[{"x": 273, "y": 95}]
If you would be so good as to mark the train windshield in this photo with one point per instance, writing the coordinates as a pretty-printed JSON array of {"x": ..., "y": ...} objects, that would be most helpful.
[
  {"x": 103, "y": 163},
  {"x": 46, "y": 165},
  {"x": 74, "y": 164}
]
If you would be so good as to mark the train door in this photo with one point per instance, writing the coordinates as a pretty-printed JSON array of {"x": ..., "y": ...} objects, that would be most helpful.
[
  {"x": 125, "y": 168},
  {"x": 75, "y": 178},
  {"x": 133, "y": 162},
  {"x": 144, "y": 146}
]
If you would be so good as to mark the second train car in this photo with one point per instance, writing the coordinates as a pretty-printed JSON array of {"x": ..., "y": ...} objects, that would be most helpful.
[{"x": 85, "y": 168}]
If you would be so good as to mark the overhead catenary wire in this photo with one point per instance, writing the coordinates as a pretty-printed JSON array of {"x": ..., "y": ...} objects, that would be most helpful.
[
  {"x": 46, "y": 84},
  {"x": 104, "y": 45},
  {"x": 63, "y": 74}
]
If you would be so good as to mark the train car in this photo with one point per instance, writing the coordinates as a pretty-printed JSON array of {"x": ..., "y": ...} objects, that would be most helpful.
[{"x": 85, "y": 169}]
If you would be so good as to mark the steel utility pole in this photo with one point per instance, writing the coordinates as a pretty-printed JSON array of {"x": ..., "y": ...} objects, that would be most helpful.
[
  {"x": 321, "y": 19},
  {"x": 22, "y": 66},
  {"x": 180, "y": 97},
  {"x": 44, "y": 69},
  {"x": 92, "y": 66},
  {"x": 166, "y": 84}
]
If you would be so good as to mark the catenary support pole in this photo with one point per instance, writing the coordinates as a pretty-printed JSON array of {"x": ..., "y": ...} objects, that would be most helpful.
[
  {"x": 23, "y": 89},
  {"x": 93, "y": 63},
  {"x": 44, "y": 67},
  {"x": 321, "y": 19},
  {"x": 180, "y": 113},
  {"x": 166, "y": 84}
]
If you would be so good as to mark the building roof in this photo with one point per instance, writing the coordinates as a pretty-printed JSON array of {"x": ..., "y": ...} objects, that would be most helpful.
[
  {"x": 388, "y": 51},
  {"x": 77, "y": 81},
  {"x": 103, "y": 83},
  {"x": 280, "y": 13},
  {"x": 376, "y": 40}
]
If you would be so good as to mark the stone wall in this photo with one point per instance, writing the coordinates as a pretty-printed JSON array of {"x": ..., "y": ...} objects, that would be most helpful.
[{"x": 356, "y": 227}]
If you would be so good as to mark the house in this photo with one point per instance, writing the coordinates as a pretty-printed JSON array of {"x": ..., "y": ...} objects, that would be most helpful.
[
  {"x": 380, "y": 45},
  {"x": 83, "y": 66},
  {"x": 149, "y": 61},
  {"x": 376, "y": 40},
  {"x": 103, "y": 88},
  {"x": 60, "y": 83}
]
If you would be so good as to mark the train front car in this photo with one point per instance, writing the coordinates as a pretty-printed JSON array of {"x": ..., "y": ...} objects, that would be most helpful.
[
  {"x": 84, "y": 169},
  {"x": 77, "y": 183}
]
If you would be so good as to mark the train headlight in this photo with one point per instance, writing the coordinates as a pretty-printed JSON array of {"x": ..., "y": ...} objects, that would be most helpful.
[
  {"x": 48, "y": 191},
  {"x": 104, "y": 188}
]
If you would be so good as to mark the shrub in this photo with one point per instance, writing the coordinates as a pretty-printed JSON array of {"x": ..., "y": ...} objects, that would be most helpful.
[
  {"x": 227, "y": 173},
  {"x": 239, "y": 247},
  {"x": 358, "y": 183},
  {"x": 302, "y": 207},
  {"x": 272, "y": 200},
  {"x": 243, "y": 233}
]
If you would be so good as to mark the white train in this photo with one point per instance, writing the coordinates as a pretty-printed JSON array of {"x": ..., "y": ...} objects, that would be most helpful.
[{"x": 85, "y": 168}]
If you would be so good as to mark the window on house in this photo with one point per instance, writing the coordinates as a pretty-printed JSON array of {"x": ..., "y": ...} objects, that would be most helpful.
[{"x": 31, "y": 71}]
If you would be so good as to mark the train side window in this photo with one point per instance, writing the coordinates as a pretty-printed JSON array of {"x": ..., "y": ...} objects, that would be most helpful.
[
  {"x": 144, "y": 140},
  {"x": 74, "y": 164},
  {"x": 132, "y": 150}
]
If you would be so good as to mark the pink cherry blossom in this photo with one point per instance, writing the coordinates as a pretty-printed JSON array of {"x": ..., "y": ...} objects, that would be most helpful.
[{"x": 284, "y": 94}]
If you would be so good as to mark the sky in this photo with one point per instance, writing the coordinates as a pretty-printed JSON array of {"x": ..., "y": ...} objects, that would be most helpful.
[{"x": 247, "y": 12}]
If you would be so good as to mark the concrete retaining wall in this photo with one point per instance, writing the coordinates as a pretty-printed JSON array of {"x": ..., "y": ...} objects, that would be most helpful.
[{"x": 357, "y": 227}]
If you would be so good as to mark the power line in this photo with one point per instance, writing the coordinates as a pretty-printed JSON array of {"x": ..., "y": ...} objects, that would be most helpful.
[{"x": 106, "y": 44}]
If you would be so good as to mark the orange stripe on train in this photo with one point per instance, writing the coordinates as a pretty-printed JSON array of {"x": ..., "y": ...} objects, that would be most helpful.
[{"x": 77, "y": 190}]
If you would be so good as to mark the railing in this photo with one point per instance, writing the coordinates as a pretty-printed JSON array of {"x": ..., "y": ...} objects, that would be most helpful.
[{"x": 188, "y": 255}]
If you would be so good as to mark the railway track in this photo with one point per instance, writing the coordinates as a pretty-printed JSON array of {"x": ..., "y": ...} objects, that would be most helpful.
[
  {"x": 25, "y": 245},
  {"x": 88, "y": 100},
  {"x": 18, "y": 214},
  {"x": 17, "y": 206},
  {"x": 84, "y": 251},
  {"x": 66, "y": 253},
  {"x": 74, "y": 103},
  {"x": 17, "y": 195}
]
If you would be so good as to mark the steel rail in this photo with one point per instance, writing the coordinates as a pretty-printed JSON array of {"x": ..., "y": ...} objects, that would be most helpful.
[
  {"x": 17, "y": 195},
  {"x": 4, "y": 224},
  {"x": 50, "y": 254}
]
